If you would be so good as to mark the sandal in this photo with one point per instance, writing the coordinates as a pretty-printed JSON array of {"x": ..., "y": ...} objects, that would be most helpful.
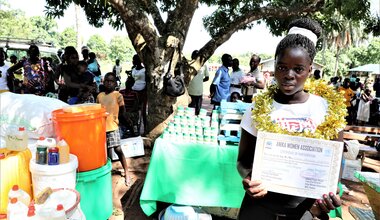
[{"x": 128, "y": 181}]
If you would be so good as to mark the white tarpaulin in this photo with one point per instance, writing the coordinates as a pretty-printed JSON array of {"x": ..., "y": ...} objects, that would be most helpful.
[{"x": 372, "y": 68}]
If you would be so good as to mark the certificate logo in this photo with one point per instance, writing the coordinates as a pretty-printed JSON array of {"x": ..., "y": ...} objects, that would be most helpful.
[
  {"x": 327, "y": 152},
  {"x": 268, "y": 144}
]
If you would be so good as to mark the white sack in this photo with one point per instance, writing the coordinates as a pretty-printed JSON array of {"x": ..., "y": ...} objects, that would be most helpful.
[{"x": 30, "y": 111}]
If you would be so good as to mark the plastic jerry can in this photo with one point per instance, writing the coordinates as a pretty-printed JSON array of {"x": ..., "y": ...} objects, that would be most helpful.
[
  {"x": 20, "y": 194},
  {"x": 16, "y": 139},
  {"x": 16, "y": 210},
  {"x": 64, "y": 151},
  {"x": 59, "y": 213}
]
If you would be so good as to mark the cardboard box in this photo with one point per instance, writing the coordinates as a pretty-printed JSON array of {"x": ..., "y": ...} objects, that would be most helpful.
[
  {"x": 131, "y": 147},
  {"x": 350, "y": 166}
]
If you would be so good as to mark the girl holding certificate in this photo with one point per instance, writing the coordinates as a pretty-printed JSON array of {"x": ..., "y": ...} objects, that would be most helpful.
[{"x": 288, "y": 108}]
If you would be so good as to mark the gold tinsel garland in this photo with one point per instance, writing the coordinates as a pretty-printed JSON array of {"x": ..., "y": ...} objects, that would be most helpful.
[{"x": 328, "y": 130}]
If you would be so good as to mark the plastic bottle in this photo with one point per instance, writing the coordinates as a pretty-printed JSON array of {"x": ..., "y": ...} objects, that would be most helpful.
[
  {"x": 16, "y": 139},
  {"x": 50, "y": 142},
  {"x": 19, "y": 194},
  {"x": 41, "y": 155},
  {"x": 64, "y": 151},
  {"x": 43, "y": 145},
  {"x": 53, "y": 156},
  {"x": 16, "y": 210},
  {"x": 59, "y": 213}
]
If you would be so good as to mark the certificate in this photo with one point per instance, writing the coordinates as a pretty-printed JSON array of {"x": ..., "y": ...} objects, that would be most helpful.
[{"x": 298, "y": 166}]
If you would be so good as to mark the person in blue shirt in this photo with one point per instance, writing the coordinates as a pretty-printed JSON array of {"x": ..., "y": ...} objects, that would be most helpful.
[{"x": 220, "y": 87}]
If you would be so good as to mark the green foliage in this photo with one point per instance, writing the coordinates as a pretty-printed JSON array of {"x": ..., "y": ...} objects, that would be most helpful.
[
  {"x": 365, "y": 54},
  {"x": 14, "y": 24},
  {"x": 44, "y": 28},
  {"x": 68, "y": 37},
  {"x": 98, "y": 45},
  {"x": 373, "y": 25},
  {"x": 121, "y": 48},
  {"x": 328, "y": 59},
  {"x": 349, "y": 58},
  {"x": 331, "y": 16},
  {"x": 97, "y": 11}
]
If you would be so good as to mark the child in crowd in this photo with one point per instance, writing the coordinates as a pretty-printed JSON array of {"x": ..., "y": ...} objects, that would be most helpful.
[
  {"x": 113, "y": 102},
  {"x": 87, "y": 77},
  {"x": 85, "y": 96},
  {"x": 235, "y": 97},
  {"x": 290, "y": 104},
  {"x": 132, "y": 106}
]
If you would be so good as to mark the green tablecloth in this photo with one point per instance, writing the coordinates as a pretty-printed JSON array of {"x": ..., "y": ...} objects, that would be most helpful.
[{"x": 192, "y": 174}]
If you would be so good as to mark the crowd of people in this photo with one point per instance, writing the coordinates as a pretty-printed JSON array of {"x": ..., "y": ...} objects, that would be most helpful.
[
  {"x": 235, "y": 85},
  {"x": 362, "y": 106},
  {"x": 80, "y": 81}
]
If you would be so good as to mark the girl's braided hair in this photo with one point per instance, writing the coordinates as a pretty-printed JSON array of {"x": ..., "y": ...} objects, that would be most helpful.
[{"x": 298, "y": 40}]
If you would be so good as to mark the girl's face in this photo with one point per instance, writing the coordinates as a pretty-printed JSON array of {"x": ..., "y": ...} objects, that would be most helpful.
[
  {"x": 73, "y": 59},
  {"x": 293, "y": 67},
  {"x": 110, "y": 83},
  {"x": 234, "y": 98}
]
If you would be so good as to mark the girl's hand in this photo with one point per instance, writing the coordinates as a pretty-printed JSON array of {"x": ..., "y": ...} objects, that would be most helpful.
[
  {"x": 323, "y": 206},
  {"x": 254, "y": 188}
]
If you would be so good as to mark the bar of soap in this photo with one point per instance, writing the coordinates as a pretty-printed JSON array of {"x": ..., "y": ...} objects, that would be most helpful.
[{"x": 43, "y": 196}]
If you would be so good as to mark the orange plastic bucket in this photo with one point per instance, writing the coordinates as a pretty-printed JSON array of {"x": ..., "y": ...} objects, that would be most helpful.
[{"x": 85, "y": 133}]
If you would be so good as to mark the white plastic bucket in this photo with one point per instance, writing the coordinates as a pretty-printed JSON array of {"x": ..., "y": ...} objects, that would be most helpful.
[{"x": 54, "y": 176}]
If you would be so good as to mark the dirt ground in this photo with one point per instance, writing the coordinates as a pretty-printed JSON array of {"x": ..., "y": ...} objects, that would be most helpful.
[{"x": 126, "y": 199}]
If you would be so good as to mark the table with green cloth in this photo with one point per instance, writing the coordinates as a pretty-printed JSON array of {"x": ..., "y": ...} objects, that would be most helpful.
[{"x": 192, "y": 174}]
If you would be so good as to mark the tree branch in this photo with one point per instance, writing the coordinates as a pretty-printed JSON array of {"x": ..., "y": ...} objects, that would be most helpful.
[
  {"x": 180, "y": 18},
  {"x": 269, "y": 11},
  {"x": 139, "y": 28},
  {"x": 155, "y": 12}
]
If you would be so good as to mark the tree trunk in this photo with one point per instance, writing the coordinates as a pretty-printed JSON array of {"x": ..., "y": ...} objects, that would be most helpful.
[
  {"x": 337, "y": 61},
  {"x": 160, "y": 106}
]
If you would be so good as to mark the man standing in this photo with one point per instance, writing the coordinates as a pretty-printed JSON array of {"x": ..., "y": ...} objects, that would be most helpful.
[
  {"x": 196, "y": 85},
  {"x": 220, "y": 87},
  {"x": 236, "y": 77},
  {"x": 253, "y": 80}
]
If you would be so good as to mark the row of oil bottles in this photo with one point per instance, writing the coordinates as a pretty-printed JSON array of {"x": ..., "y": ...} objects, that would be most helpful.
[
  {"x": 48, "y": 150},
  {"x": 20, "y": 207}
]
